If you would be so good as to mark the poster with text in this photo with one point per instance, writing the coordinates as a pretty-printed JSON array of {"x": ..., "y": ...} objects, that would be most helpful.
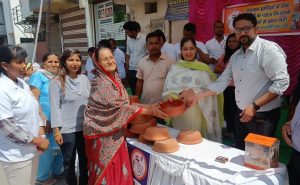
[{"x": 273, "y": 17}]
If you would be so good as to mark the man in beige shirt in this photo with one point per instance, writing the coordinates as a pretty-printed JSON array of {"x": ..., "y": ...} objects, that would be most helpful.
[{"x": 152, "y": 71}]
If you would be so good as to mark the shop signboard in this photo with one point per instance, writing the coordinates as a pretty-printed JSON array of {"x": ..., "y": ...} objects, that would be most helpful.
[
  {"x": 273, "y": 17},
  {"x": 177, "y": 10}
]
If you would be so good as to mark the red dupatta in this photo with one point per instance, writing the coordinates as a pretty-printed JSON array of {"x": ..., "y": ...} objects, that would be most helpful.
[{"x": 106, "y": 117}]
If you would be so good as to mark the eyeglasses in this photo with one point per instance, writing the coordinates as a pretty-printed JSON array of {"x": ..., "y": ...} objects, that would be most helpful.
[
  {"x": 245, "y": 29},
  {"x": 107, "y": 59}
]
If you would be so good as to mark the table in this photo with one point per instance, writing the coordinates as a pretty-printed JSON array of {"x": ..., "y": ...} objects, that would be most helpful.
[{"x": 195, "y": 164}]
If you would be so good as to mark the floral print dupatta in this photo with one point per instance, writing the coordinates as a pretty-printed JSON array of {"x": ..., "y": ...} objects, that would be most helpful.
[{"x": 106, "y": 117}]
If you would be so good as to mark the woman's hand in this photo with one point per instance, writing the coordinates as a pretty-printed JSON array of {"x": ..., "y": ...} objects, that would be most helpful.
[
  {"x": 58, "y": 137},
  {"x": 41, "y": 143},
  {"x": 287, "y": 133},
  {"x": 156, "y": 112},
  {"x": 189, "y": 97}
]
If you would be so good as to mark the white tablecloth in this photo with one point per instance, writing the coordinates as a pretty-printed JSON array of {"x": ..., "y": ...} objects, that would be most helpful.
[{"x": 195, "y": 164}]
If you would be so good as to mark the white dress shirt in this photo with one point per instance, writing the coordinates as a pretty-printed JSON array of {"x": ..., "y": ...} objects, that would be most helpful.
[
  {"x": 215, "y": 49},
  {"x": 120, "y": 60},
  {"x": 89, "y": 67},
  {"x": 199, "y": 44},
  {"x": 295, "y": 126},
  {"x": 18, "y": 102},
  {"x": 260, "y": 69},
  {"x": 136, "y": 48},
  {"x": 169, "y": 49}
]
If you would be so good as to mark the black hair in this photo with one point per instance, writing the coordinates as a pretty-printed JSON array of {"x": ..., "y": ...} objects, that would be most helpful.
[
  {"x": 161, "y": 34},
  {"x": 20, "y": 52},
  {"x": 218, "y": 21},
  {"x": 228, "y": 51},
  {"x": 245, "y": 16},
  {"x": 152, "y": 34},
  {"x": 63, "y": 63},
  {"x": 132, "y": 26},
  {"x": 184, "y": 40},
  {"x": 111, "y": 40},
  {"x": 45, "y": 57},
  {"x": 104, "y": 43},
  {"x": 91, "y": 49},
  {"x": 6, "y": 56},
  {"x": 190, "y": 27}
]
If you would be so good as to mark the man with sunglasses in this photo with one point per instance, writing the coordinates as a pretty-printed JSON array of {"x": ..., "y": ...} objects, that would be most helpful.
[{"x": 260, "y": 76}]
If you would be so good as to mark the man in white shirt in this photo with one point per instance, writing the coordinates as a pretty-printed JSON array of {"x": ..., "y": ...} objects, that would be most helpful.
[
  {"x": 120, "y": 58},
  {"x": 189, "y": 31},
  {"x": 89, "y": 66},
  {"x": 259, "y": 72},
  {"x": 166, "y": 48},
  {"x": 216, "y": 45},
  {"x": 136, "y": 49}
]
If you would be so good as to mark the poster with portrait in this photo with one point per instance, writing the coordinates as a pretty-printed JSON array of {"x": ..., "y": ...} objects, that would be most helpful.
[
  {"x": 157, "y": 24},
  {"x": 273, "y": 17},
  {"x": 105, "y": 12}
]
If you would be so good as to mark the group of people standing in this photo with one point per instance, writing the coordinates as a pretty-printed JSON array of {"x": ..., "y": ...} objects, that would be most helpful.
[{"x": 61, "y": 108}]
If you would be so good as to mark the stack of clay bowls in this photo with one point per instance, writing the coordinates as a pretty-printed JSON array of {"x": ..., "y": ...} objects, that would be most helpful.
[
  {"x": 163, "y": 142},
  {"x": 173, "y": 108},
  {"x": 140, "y": 123},
  {"x": 189, "y": 137}
]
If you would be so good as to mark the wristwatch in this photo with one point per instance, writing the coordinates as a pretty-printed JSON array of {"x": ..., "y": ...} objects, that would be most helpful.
[{"x": 256, "y": 107}]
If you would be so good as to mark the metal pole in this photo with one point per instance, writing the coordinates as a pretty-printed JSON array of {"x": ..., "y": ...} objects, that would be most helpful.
[{"x": 37, "y": 30}]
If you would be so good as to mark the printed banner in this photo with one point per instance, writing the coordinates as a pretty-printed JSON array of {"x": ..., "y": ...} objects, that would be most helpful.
[
  {"x": 105, "y": 12},
  {"x": 140, "y": 164},
  {"x": 177, "y": 10},
  {"x": 273, "y": 17}
]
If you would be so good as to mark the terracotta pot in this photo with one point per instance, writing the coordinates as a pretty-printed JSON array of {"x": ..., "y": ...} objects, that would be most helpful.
[
  {"x": 141, "y": 128},
  {"x": 156, "y": 134},
  {"x": 166, "y": 146},
  {"x": 134, "y": 99},
  {"x": 189, "y": 137},
  {"x": 141, "y": 119},
  {"x": 173, "y": 107},
  {"x": 130, "y": 134},
  {"x": 141, "y": 139}
]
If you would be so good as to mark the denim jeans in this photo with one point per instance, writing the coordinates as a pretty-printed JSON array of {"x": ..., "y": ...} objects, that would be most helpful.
[{"x": 73, "y": 142}]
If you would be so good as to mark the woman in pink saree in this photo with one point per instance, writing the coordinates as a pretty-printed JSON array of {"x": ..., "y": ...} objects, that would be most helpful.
[{"x": 106, "y": 117}]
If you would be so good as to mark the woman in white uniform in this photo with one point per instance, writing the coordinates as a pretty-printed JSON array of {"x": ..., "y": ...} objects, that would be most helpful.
[{"x": 19, "y": 122}]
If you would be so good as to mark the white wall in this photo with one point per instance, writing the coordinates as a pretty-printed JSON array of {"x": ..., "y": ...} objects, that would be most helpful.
[
  {"x": 137, "y": 12},
  {"x": 13, "y": 33}
]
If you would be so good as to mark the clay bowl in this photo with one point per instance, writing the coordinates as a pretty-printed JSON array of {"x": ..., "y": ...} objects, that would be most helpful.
[
  {"x": 173, "y": 107},
  {"x": 130, "y": 134},
  {"x": 189, "y": 137},
  {"x": 141, "y": 128},
  {"x": 134, "y": 99},
  {"x": 166, "y": 146},
  {"x": 141, "y": 139},
  {"x": 141, "y": 119},
  {"x": 156, "y": 134}
]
